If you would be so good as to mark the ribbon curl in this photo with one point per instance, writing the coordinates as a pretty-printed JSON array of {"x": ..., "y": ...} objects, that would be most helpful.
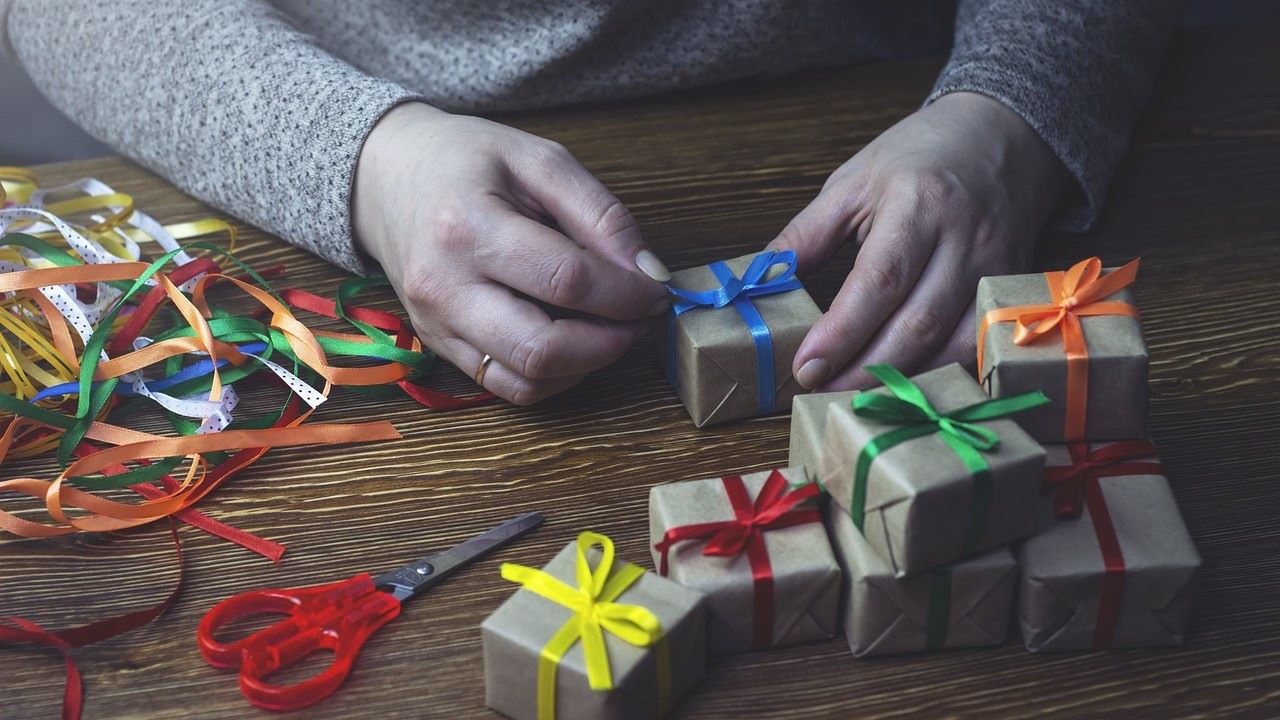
[
  {"x": 916, "y": 417},
  {"x": 594, "y": 613},
  {"x": 774, "y": 508},
  {"x": 738, "y": 291},
  {"x": 1074, "y": 294}
]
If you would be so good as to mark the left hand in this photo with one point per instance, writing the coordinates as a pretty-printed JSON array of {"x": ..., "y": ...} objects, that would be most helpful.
[{"x": 953, "y": 192}]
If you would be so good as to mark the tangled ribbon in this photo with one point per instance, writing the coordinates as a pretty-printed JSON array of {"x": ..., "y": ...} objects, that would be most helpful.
[
  {"x": 1078, "y": 292},
  {"x": 1081, "y": 479},
  {"x": 738, "y": 292},
  {"x": 908, "y": 408},
  {"x": 76, "y": 295},
  {"x": 594, "y": 613},
  {"x": 774, "y": 508}
]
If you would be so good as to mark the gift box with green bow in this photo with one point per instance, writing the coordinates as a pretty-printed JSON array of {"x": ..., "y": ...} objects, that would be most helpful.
[
  {"x": 931, "y": 470},
  {"x": 591, "y": 636},
  {"x": 964, "y": 604}
]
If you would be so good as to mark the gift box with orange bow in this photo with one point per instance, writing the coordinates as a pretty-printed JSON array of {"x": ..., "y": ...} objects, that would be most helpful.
[
  {"x": 755, "y": 545},
  {"x": 1074, "y": 335}
]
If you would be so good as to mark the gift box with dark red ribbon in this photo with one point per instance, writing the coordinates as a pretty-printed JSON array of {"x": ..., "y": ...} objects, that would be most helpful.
[
  {"x": 756, "y": 546},
  {"x": 1118, "y": 567}
]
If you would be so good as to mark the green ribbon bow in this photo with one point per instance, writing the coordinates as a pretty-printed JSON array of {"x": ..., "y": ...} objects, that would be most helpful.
[{"x": 916, "y": 417}]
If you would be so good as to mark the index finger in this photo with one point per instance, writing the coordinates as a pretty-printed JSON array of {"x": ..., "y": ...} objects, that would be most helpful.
[{"x": 534, "y": 259}]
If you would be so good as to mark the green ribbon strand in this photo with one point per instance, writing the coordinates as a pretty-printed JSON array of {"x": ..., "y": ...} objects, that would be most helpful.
[
  {"x": 939, "y": 617},
  {"x": 916, "y": 417}
]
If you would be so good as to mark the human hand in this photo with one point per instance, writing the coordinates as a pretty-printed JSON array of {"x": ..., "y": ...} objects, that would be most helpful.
[
  {"x": 473, "y": 221},
  {"x": 953, "y": 192}
]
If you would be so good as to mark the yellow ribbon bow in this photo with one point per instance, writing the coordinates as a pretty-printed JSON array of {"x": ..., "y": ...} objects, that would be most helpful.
[{"x": 594, "y": 613}]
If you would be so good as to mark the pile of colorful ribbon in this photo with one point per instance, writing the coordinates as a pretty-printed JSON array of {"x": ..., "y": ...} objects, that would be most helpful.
[{"x": 94, "y": 337}]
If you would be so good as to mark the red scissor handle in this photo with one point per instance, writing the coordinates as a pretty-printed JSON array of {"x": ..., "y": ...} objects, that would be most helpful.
[{"x": 338, "y": 616}]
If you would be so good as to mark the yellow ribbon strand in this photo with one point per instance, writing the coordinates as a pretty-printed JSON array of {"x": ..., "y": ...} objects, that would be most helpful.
[{"x": 594, "y": 613}]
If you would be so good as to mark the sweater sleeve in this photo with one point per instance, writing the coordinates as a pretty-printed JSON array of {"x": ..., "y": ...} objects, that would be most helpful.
[
  {"x": 225, "y": 98},
  {"x": 1077, "y": 72}
]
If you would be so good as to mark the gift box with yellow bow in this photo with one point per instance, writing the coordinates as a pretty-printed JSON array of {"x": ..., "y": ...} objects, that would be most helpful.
[
  {"x": 732, "y": 333},
  {"x": 1074, "y": 335},
  {"x": 591, "y": 636},
  {"x": 930, "y": 469},
  {"x": 756, "y": 546}
]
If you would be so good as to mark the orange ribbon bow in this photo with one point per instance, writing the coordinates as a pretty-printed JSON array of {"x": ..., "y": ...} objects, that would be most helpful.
[{"x": 1076, "y": 293}]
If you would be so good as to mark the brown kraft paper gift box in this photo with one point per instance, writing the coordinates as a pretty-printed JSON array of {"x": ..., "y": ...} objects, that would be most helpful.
[
  {"x": 514, "y": 635},
  {"x": 1063, "y": 569},
  {"x": 808, "y": 422},
  {"x": 715, "y": 371},
  {"x": 885, "y": 615},
  {"x": 806, "y": 587},
  {"x": 1116, "y": 401},
  {"x": 919, "y": 492}
]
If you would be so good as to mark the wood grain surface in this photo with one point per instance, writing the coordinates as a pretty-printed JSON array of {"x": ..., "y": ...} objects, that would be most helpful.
[{"x": 712, "y": 174}]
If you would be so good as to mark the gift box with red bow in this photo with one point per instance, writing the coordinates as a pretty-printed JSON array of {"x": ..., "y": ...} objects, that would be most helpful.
[
  {"x": 1118, "y": 568},
  {"x": 1074, "y": 335},
  {"x": 756, "y": 547}
]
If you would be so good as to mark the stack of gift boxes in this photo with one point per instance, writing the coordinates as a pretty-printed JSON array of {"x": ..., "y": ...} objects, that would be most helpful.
[{"x": 924, "y": 514}]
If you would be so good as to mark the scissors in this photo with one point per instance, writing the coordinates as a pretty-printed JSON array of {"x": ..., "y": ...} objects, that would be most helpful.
[{"x": 339, "y": 617}]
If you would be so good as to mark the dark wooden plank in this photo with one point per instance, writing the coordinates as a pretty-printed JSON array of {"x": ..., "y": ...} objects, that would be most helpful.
[{"x": 714, "y": 173}]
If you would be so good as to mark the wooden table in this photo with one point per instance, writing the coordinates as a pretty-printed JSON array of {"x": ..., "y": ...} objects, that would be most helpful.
[{"x": 710, "y": 174}]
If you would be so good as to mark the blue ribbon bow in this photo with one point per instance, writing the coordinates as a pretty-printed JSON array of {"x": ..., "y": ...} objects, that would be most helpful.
[{"x": 738, "y": 292}]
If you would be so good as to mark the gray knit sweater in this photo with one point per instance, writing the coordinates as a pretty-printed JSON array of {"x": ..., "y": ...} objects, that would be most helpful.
[{"x": 260, "y": 108}]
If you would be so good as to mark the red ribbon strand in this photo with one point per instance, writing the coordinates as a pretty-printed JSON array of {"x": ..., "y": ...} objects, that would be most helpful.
[
  {"x": 774, "y": 508},
  {"x": 1080, "y": 480}
]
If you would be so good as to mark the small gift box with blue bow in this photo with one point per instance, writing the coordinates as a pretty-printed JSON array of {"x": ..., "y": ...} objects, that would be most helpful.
[
  {"x": 728, "y": 343},
  {"x": 591, "y": 636},
  {"x": 931, "y": 470}
]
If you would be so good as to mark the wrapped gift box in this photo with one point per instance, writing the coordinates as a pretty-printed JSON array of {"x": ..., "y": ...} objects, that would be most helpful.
[
  {"x": 1110, "y": 395},
  {"x": 965, "y": 604},
  {"x": 516, "y": 634},
  {"x": 1128, "y": 520},
  {"x": 808, "y": 426},
  {"x": 762, "y": 526},
  {"x": 730, "y": 361},
  {"x": 923, "y": 505}
]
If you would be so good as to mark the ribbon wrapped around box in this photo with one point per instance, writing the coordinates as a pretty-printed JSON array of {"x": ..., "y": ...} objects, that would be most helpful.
[
  {"x": 756, "y": 547},
  {"x": 1076, "y": 336},
  {"x": 1119, "y": 568},
  {"x": 732, "y": 333},
  {"x": 808, "y": 426},
  {"x": 931, "y": 469},
  {"x": 589, "y": 636},
  {"x": 965, "y": 604}
]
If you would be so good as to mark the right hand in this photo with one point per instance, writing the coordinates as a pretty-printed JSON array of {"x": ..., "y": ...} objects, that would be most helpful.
[{"x": 473, "y": 221}]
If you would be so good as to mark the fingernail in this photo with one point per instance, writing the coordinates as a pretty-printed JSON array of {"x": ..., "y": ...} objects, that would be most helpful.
[
  {"x": 660, "y": 307},
  {"x": 812, "y": 373},
  {"x": 650, "y": 265}
]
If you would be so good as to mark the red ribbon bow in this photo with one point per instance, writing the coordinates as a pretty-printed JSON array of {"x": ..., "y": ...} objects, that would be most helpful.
[
  {"x": 774, "y": 508},
  {"x": 1079, "y": 480}
]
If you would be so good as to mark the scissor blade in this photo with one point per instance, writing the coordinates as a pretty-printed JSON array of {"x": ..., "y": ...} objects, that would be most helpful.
[{"x": 412, "y": 579}]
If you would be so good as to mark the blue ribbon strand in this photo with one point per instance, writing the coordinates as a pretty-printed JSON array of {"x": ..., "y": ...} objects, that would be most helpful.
[{"x": 738, "y": 291}]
